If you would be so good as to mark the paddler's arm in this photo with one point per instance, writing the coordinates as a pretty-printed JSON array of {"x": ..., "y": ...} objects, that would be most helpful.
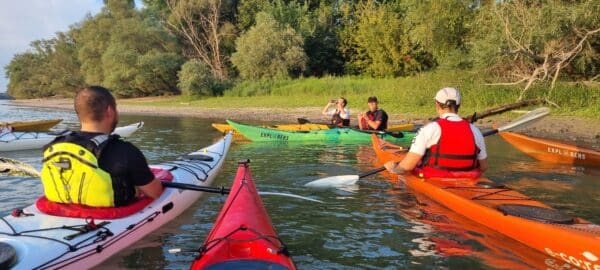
[
  {"x": 152, "y": 189},
  {"x": 326, "y": 109},
  {"x": 374, "y": 124},
  {"x": 409, "y": 162},
  {"x": 483, "y": 165}
]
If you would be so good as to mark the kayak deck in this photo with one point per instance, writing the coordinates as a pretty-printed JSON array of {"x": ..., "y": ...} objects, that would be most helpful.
[
  {"x": 242, "y": 236},
  {"x": 44, "y": 241},
  {"x": 552, "y": 151},
  {"x": 32, "y": 125},
  {"x": 224, "y": 128},
  {"x": 508, "y": 212},
  {"x": 255, "y": 133}
]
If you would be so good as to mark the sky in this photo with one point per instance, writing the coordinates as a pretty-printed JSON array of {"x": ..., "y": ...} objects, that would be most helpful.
[{"x": 23, "y": 21}]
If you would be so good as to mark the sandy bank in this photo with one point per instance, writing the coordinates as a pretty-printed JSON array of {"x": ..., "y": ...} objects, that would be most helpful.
[{"x": 569, "y": 129}]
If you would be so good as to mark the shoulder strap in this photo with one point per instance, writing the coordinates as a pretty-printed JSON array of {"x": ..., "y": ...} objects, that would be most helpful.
[{"x": 101, "y": 141}]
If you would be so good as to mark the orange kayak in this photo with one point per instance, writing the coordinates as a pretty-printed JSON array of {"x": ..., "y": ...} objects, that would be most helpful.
[
  {"x": 573, "y": 240},
  {"x": 552, "y": 151}
]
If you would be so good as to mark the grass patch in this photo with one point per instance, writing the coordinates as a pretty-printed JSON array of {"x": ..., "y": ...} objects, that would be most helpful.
[{"x": 408, "y": 95}]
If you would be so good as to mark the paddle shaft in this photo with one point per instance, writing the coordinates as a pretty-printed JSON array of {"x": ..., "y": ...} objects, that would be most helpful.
[
  {"x": 221, "y": 190},
  {"x": 371, "y": 172}
]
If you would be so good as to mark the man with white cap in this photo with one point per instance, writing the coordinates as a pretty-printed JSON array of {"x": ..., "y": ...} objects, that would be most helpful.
[{"x": 449, "y": 144}]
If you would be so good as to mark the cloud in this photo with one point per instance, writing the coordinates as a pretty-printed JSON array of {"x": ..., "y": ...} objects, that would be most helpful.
[{"x": 24, "y": 21}]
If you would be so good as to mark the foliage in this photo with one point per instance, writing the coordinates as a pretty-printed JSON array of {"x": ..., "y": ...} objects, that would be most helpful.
[
  {"x": 196, "y": 79},
  {"x": 206, "y": 35},
  {"x": 269, "y": 50},
  {"x": 513, "y": 38},
  {"x": 442, "y": 27},
  {"x": 51, "y": 68},
  {"x": 376, "y": 42},
  {"x": 262, "y": 44}
]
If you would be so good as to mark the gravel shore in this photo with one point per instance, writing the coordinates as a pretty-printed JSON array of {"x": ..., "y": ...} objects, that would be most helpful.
[{"x": 582, "y": 131}]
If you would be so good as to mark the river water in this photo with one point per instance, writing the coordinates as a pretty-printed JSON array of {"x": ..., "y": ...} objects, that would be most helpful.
[{"x": 379, "y": 224}]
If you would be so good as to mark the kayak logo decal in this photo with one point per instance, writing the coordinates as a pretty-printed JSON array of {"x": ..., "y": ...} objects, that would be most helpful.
[
  {"x": 567, "y": 153},
  {"x": 274, "y": 136},
  {"x": 587, "y": 263}
]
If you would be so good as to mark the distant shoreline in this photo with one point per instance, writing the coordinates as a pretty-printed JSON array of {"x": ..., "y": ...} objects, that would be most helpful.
[{"x": 569, "y": 129}]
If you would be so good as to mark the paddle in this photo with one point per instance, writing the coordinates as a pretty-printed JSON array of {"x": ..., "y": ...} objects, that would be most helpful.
[
  {"x": 11, "y": 165},
  {"x": 345, "y": 180},
  {"x": 15, "y": 167}
]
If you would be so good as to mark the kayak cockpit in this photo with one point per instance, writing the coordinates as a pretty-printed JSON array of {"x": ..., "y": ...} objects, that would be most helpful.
[
  {"x": 8, "y": 256},
  {"x": 82, "y": 211},
  {"x": 246, "y": 264}
]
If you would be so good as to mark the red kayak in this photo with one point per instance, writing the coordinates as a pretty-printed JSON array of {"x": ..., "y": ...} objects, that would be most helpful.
[{"x": 243, "y": 236}]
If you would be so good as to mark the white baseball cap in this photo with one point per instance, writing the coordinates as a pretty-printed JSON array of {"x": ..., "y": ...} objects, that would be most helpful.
[{"x": 448, "y": 93}]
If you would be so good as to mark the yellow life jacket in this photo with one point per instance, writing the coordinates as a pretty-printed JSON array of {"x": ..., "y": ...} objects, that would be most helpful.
[{"x": 70, "y": 172}]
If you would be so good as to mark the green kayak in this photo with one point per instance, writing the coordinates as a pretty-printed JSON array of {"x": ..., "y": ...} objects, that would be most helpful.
[{"x": 255, "y": 133}]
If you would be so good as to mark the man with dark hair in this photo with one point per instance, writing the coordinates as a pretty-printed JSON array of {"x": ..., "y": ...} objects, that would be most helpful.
[
  {"x": 448, "y": 144},
  {"x": 92, "y": 167},
  {"x": 374, "y": 118},
  {"x": 340, "y": 116}
]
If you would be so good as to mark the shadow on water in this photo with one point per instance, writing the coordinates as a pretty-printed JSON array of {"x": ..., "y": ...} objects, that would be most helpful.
[{"x": 378, "y": 224}]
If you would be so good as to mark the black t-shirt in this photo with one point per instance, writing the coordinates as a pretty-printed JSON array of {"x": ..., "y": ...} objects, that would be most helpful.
[
  {"x": 126, "y": 165},
  {"x": 378, "y": 115}
]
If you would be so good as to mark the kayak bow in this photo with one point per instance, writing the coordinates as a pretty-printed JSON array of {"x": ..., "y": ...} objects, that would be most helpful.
[
  {"x": 243, "y": 236},
  {"x": 552, "y": 151}
]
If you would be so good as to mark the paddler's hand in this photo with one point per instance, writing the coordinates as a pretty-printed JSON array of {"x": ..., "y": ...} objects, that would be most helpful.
[{"x": 392, "y": 167}]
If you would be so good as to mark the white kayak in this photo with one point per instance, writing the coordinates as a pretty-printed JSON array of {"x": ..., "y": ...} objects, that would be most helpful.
[
  {"x": 16, "y": 141},
  {"x": 42, "y": 241}
]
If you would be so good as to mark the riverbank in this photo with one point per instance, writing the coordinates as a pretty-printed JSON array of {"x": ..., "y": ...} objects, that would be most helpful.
[{"x": 578, "y": 130}]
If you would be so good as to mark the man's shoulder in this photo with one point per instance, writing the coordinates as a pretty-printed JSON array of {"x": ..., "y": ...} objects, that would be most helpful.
[{"x": 119, "y": 145}]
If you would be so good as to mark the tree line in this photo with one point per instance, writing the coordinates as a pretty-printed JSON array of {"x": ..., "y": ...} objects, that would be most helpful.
[{"x": 203, "y": 47}]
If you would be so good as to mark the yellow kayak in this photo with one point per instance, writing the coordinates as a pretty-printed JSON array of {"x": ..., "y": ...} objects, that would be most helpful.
[
  {"x": 309, "y": 126},
  {"x": 32, "y": 125}
]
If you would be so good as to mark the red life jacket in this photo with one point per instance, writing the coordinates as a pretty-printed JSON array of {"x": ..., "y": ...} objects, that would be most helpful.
[{"x": 455, "y": 151}]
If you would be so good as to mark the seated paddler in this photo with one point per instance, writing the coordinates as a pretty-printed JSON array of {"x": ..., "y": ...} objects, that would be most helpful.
[
  {"x": 92, "y": 167},
  {"x": 449, "y": 144}
]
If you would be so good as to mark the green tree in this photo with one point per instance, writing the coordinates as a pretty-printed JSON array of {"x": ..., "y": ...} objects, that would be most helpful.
[
  {"x": 50, "y": 68},
  {"x": 157, "y": 72},
  {"x": 442, "y": 27},
  {"x": 269, "y": 50},
  {"x": 196, "y": 79},
  {"x": 530, "y": 42},
  {"x": 375, "y": 41}
]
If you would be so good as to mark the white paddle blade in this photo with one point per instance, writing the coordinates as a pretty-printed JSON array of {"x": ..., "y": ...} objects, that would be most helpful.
[
  {"x": 334, "y": 181},
  {"x": 263, "y": 193},
  {"x": 526, "y": 119},
  {"x": 17, "y": 168}
]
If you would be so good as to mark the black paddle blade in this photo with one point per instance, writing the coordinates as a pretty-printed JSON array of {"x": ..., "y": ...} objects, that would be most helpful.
[{"x": 303, "y": 121}]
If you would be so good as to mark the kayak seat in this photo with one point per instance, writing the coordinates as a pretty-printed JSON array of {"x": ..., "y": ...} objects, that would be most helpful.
[
  {"x": 541, "y": 214},
  {"x": 83, "y": 211}
]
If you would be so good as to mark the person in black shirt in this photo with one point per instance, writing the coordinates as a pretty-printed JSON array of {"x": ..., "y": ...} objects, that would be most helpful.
[
  {"x": 374, "y": 118},
  {"x": 125, "y": 164}
]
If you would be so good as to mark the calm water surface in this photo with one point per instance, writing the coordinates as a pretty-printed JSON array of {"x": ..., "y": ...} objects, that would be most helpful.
[{"x": 377, "y": 225}]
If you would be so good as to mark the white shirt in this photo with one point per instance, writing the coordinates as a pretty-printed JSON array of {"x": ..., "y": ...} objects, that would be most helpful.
[
  {"x": 429, "y": 135},
  {"x": 344, "y": 114}
]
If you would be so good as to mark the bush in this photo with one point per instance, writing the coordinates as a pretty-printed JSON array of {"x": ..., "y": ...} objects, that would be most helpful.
[
  {"x": 196, "y": 79},
  {"x": 269, "y": 50}
]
